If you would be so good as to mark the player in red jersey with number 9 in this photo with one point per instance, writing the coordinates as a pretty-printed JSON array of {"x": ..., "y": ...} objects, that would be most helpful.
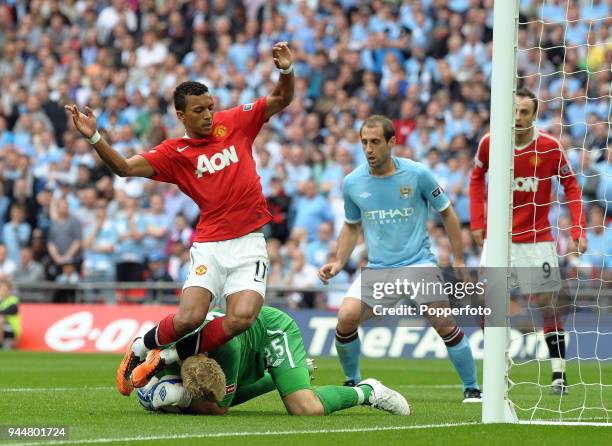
[
  {"x": 538, "y": 157},
  {"x": 212, "y": 164}
]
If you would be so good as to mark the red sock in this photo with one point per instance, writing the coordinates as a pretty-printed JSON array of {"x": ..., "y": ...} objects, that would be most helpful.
[
  {"x": 213, "y": 335},
  {"x": 166, "y": 332},
  {"x": 553, "y": 321}
]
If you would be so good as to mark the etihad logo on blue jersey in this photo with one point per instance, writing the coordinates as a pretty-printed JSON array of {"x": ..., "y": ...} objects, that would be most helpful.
[{"x": 387, "y": 216}]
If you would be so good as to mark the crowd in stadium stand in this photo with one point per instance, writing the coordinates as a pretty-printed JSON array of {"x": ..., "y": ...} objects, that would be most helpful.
[{"x": 425, "y": 64}]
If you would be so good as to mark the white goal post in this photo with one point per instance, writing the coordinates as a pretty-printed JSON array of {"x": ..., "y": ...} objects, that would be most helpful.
[
  {"x": 495, "y": 406},
  {"x": 560, "y": 50}
]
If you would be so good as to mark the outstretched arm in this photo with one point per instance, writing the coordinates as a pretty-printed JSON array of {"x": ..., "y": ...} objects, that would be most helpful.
[
  {"x": 283, "y": 92},
  {"x": 250, "y": 391},
  {"x": 135, "y": 166}
]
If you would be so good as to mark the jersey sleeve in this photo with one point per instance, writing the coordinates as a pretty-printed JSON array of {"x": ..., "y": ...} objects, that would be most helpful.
[
  {"x": 249, "y": 117},
  {"x": 432, "y": 192},
  {"x": 228, "y": 357},
  {"x": 161, "y": 160},
  {"x": 573, "y": 195},
  {"x": 477, "y": 185},
  {"x": 352, "y": 214}
]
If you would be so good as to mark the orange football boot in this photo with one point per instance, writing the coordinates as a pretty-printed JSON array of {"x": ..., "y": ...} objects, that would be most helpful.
[
  {"x": 128, "y": 363},
  {"x": 143, "y": 373}
]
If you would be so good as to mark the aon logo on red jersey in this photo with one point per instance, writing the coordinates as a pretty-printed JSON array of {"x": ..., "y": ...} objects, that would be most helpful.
[
  {"x": 218, "y": 161},
  {"x": 525, "y": 184}
]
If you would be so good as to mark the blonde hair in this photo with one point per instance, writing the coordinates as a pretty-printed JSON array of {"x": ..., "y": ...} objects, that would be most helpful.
[{"x": 203, "y": 378}]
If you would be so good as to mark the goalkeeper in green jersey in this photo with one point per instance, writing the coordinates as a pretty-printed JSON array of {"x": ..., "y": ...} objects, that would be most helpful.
[{"x": 269, "y": 355}]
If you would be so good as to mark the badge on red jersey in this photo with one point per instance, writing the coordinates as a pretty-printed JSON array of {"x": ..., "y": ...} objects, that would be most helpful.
[
  {"x": 247, "y": 107},
  {"x": 219, "y": 131},
  {"x": 535, "y": 160}
]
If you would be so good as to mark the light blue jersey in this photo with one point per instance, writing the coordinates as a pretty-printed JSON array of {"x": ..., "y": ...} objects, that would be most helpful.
[{"x": 393, "y": 212}]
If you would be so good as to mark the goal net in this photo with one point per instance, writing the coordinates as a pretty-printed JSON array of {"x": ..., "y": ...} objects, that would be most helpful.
[{"x": 564, "y": 54}]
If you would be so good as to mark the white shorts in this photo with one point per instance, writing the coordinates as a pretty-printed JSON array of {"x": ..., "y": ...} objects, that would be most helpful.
[
  {"x": 229, "y": 266},
  {"x": 535, "y": 267},
  {"x": 416, "y": 273}
]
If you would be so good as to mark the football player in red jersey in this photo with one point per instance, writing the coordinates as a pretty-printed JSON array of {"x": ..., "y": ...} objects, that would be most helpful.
[
  {"x": 212, "y": 164},
  {"x": 538, "y": 157}
]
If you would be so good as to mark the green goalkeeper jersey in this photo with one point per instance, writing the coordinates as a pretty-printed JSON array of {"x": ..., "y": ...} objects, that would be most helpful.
[{"x": 272, "y": 343}]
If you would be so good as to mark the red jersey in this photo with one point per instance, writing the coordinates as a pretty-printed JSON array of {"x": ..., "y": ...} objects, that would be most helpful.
[
  {"x": 218, "y": 173},
  {"x": 403, "y": 129},
  {"x": 534, "y": 166}
]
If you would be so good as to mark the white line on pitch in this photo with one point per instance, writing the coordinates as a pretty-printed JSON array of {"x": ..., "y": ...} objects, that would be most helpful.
[
  {"x": 583, "y": 419},
  {"x": 246, "y": 434},
  {"x": 74, "y": 389},
  {"x": 53, "y": 389},
  {"x": 566, "y": 423}
]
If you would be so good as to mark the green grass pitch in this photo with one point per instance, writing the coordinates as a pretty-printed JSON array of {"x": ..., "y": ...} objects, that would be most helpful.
[{"x": 76, "y": 390}]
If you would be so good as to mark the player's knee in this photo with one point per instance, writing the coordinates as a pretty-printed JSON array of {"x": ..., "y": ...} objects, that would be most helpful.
[
  {"x": 308, "y": 411},
  {"x": 347, "y": 326},
  {"x": 348, "y": 320},
  {"x": 188, "y": 320},
  {"x": 442, "y": 330},
  {"x": 238, "y": 323},
  {"x": 310, "y": 407},
  {"x": 443, "y": 325}
]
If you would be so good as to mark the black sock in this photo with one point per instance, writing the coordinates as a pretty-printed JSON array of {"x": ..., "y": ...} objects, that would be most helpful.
[
  {"x": 188, "y": 346},
  {"x": 555, "y": 341},
  {"x": 346, "y": 338},
  {"x": 150, "y": 339}
]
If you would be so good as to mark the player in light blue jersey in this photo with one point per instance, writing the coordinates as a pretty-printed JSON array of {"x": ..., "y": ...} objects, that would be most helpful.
[{"x": 389, "y": 198}]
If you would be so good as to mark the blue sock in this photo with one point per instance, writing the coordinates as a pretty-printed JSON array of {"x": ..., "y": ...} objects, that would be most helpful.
[
  {"x": 461, "y": 357},
  {"x": 348, "y": 353}
]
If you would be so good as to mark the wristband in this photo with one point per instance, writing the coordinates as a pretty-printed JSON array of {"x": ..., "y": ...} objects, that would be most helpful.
[
  {"x": 94, "y": 138},
  {"x": 286, "y": 70}
]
